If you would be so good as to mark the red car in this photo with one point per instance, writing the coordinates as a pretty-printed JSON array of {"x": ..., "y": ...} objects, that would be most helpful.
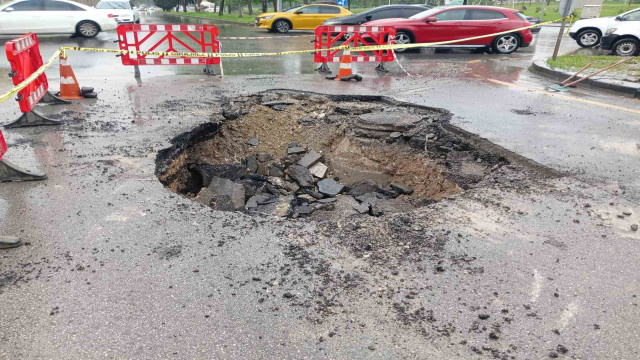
[{"x": 460, "y": 22}]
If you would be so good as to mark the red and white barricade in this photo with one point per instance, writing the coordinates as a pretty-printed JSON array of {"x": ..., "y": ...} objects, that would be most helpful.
[
  {"x": 168, "y": 38},
  {"x": 12, "y": 172},
  {"x": 328, "y": 37},
  {"x": 24, "y": 56}
]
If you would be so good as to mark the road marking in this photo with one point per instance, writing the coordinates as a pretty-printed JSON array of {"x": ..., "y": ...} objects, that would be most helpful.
[
  {"x": 570, "y": 98},
  {"x": 473, "y": 61}
]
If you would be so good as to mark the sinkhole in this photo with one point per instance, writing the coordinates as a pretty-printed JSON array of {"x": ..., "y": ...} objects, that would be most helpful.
[{"x": 305, "y": 155}]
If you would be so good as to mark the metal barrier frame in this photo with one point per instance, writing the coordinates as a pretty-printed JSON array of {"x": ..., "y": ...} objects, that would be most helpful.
[
  {"x": 132, "y": 37},
  {"x": 327, "y": 37},
  {"x": 24, "y": 56}
]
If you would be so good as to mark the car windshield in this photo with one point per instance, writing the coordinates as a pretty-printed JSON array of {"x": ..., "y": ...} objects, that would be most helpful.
[
  {"x": 293, "y": 9},
  {"x": 425, "y": 13},
  {"x": 113, "y": 5}
]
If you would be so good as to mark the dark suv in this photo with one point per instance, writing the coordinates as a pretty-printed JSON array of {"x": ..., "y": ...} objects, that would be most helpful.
[{"x": 382, "y": 12}]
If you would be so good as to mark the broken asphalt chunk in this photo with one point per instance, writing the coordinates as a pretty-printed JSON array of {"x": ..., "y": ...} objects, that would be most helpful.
[
  {"x": 401, "y": 189},
  {"x": 296, "y": 150},
  {"x": 301, "y": 175},
  {"x": 329, "y": 187},
  {"x": 318, "y": 170},
  {"x": 253, "y": 141},
  {"x": 309, "y": 159}
]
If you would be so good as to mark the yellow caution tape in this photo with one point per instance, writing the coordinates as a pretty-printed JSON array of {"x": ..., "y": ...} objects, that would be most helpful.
[
  {"x": 341, "y": 47},
  {"x": 63, "y": 51}
]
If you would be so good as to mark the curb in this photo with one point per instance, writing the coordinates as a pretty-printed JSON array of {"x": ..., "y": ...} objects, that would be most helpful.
[
  {"x": 212, "y": 19},
  {"x": 626, "y": 88}
]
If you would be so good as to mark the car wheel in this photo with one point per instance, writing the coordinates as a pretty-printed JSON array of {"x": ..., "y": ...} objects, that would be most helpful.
[
  {"x": 282, "y": 26},
  {"x": 626, "y": 47},
  {"x": 138, "y": 21},
  {"x": 588, "y": 38},
  {"x": 88, "y": 29},
  {"x": 403, "y": 37},
  {"x": 506, "y": 44}
]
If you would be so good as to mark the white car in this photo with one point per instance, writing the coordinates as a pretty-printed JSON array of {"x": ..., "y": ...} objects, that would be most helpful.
[
  {"x": 588, "y": 32},
  {"x": 53, "y": 17},
  {"x": 124, "y": 10},
  {"x": 624, "y": 38}
]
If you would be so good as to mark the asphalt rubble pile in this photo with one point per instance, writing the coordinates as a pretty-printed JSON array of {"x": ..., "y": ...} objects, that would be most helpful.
[{"x": 295, "y": 185}]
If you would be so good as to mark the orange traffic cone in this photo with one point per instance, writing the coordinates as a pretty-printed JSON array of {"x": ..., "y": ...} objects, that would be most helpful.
[
  {"x": 345, "y": 73},
  {"x": 345, "y": 65},
  {"x": 69, "y": 88}
]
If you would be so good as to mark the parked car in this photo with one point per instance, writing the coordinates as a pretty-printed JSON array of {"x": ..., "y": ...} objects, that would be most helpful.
[
  {"x": 53, "y": 17},
  {"x": 382, "y": 12},
  {"x": 305, "y": 17},
  {"x": 588, "y": 32},
  {"x": 124, "y": 10},
  {"x": 460, "y": 22},
  {"x": 533, "y": 21},
  {"x": 624, "y": 38},
  {"x": 210, "y": 9}
]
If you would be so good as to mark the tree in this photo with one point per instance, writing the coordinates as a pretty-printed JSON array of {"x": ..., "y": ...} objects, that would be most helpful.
[
  {"x": 221, "y": 10},
  {"x": 166, "y": 5}
]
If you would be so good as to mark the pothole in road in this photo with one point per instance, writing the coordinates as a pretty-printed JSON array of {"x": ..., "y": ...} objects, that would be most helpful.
[{"x": 295, "y": 154}]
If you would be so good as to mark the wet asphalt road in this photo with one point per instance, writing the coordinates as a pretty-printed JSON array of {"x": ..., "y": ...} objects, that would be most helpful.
[{"x": 117, "y": 267}]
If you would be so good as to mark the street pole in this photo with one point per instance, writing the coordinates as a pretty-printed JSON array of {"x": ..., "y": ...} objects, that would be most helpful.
[
  {"x": 279, "y": 3},
  {"x": 565, "y": 8},
  {"x": 560, "y": 34}
]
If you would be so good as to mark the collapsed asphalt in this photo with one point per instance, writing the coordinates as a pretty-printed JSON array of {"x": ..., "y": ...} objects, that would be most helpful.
[
  {"x": 385, "y": 155},
  {"x": 114, "y": 265}
]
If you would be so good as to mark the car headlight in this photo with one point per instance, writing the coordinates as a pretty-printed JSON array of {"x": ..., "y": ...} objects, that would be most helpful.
[
  {"x": 267, "y": 17},
  {"x": 611, "y": 31}
]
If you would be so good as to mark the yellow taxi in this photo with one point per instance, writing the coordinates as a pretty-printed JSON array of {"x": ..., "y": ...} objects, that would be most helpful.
[{"x": 306, "y": 17}]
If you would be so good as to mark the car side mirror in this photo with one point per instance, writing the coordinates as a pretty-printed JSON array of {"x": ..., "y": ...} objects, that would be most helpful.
[
  {"x": 431, "y": 19},
  {"x": 618, "y": 18},
  {"x": 368, "y": 17},
  {"x": 298, "y": 12},
  {"x": 9, "y": 9}
]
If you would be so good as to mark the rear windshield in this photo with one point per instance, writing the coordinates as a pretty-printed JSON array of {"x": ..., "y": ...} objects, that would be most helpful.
[
  {"x": 521, "y": 16},
  {"x": 113, "y": 5}
]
